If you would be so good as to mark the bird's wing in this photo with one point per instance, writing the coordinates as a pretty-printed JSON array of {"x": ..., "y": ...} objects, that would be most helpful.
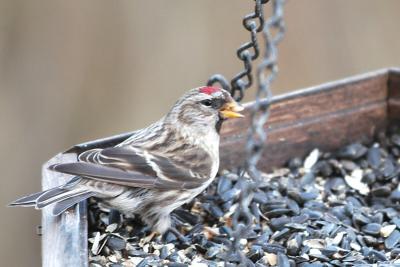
[{"x": 131, "y": 166}]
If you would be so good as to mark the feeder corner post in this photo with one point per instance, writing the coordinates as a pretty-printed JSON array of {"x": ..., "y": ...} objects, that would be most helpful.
[{"x": 64, "y": 237}]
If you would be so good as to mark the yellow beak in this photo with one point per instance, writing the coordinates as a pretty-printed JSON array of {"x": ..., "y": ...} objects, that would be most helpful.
[{"x": 230, "y": 110}]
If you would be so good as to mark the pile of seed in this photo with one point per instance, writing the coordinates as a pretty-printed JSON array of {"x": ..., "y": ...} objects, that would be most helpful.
[{"x": 330, "y": 209}]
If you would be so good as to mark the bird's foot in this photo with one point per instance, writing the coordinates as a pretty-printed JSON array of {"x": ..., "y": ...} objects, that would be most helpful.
[
  {"x": 178, "y": 235},
  {"x": 148, "y": 239}
]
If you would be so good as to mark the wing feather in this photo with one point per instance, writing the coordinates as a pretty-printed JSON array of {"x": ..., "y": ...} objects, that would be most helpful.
[{"x": 131, "y": 166}]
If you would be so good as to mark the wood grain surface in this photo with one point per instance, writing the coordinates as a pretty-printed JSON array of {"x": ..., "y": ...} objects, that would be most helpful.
[
  {"x": 394, "y": 95},
  {"x": 325, "y": 117}
]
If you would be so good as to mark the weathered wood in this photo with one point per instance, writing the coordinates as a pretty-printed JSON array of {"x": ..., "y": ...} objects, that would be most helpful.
[
  {"x": 64, "y": 239},
  {"x": 297, "y": 139},
  {"x": 394, "y": 95},
  {"x": 326, "y": 116},
  {"x": 317, "y": 101}
]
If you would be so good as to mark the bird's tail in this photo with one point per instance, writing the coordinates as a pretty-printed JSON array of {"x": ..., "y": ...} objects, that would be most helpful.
[{"x": 63, "y": 198}]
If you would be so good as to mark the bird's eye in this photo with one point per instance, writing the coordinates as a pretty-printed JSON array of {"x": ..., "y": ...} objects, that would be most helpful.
[{"x": 206, "y": 102}]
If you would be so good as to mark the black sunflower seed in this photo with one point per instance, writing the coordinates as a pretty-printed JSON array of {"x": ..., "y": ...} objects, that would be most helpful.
[
  {"x": 395, "y": 139},
  {"x": 374, "y": 157},
  {"x": 392, "y": 240},
  {"x": 116, "y": 243},
  {"x": 353, "y": 151},
  {"x": 372, "y": 229},
  {"x": 224, "y": 184},
  {"x": 288, "y": 208}
]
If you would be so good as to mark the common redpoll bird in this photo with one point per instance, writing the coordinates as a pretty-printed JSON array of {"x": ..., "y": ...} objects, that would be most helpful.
[{"x": 154, "y": 171}]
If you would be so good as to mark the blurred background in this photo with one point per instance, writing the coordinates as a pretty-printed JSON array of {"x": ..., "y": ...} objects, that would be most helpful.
[{"x": 72, "y": 71}]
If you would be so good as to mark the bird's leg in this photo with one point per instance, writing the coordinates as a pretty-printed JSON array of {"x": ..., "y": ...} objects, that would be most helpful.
[
  {"x": 148, "y": 238},
  {"x": 177, "y": 234}
]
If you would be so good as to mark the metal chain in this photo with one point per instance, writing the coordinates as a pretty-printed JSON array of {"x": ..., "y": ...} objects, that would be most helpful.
[
  {"x": 248, "y": 52},
  {"x": 266, "y": 72}
]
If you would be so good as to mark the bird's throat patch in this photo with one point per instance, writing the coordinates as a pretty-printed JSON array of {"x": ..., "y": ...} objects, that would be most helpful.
[{"x": 219, "y": 124}]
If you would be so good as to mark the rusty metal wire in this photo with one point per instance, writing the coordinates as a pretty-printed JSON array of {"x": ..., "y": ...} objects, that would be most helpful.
[{"x": 272, "y": 31}]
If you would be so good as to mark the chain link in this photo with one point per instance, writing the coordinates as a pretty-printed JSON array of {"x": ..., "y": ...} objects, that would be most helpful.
[
  {"x": 266, "y": 74},
  {"x": 248, "y": 52},
  {"x": 272, "y": 31}
]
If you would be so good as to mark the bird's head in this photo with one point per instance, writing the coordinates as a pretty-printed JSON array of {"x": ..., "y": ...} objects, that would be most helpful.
[{"x": 205, "y": 107}]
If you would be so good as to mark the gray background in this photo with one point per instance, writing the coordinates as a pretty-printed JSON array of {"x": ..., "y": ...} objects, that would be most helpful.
[{"x": 72, "y": 71}]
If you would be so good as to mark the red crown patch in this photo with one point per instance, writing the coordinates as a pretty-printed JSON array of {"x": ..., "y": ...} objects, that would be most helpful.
[{"x": 209, "y": 90}]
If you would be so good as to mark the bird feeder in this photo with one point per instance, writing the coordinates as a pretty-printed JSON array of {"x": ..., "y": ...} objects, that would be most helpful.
[{"x": 327, "y": 117}]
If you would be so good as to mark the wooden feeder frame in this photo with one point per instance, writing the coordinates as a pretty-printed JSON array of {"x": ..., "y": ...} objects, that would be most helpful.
[{"x": 327, "y": 117}]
